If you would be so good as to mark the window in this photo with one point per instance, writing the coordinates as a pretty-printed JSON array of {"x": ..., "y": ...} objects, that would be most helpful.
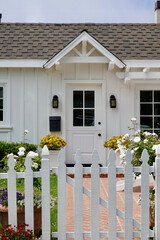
[
  {"x": 83, "y": 108},
  {"x": 150, "y": 111},
  {"x": 1, "y": 103}
]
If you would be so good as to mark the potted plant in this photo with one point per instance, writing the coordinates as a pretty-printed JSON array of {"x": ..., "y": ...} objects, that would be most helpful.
[
  {"x": 54, "y": 144},
  {"x": 20, "y": 209},
  {"x": 112, "y": 144}
]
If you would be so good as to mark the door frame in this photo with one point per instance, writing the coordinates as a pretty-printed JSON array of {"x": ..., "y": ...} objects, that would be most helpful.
[{"x": 65, "y": 84}]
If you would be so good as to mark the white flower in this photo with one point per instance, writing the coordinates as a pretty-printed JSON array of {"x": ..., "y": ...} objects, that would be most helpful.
[
  {"x": 133, "y": 119},
  {"x": 154, "y": 147},
  {"x": 132, "y": 151},
  {"x": 122, "y": 156},
  {"x": 32, "y": 154},
  {"x": 126, "y": 136},
  {"x": 137, "y": 132},
  {"x": 26, "y": 131},
  {"x": 154, "y": 134},
  {"x": 15, "y": 156},
  {"x": 35, "y": 165},
  {"x": 137, "y": 139},
  {"x": 11, "y": 154},
  {"x": 146, "y": 134},
  {"x": 117, "y": 150},
  {"x": 135, "y": 149},
  {"x": 21, "y": 149},
  {"x": 20, "y": 153},
  {"x": 145, "y": 140}
]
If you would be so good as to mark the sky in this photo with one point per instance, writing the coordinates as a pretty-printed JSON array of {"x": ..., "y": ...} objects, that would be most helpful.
[{"x": 73, "y": 11}]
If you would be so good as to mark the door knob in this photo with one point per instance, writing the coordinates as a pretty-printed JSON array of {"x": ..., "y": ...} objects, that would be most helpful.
[
  {"x": 99, "y": 134},
  {"x": 99, "y": 123}
]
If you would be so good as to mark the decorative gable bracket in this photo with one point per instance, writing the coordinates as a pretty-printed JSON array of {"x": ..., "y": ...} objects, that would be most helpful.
[{"x": 84, "y": 49}]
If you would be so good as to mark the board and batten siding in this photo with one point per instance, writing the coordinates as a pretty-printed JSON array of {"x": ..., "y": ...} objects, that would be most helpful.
[{"x": 32, "y": 89}]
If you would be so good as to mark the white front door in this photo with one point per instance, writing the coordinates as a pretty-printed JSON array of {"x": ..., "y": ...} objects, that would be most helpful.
[{"x": 84, "y": 121}]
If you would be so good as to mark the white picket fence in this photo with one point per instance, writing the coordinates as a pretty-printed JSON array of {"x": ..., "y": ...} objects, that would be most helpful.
[
  {"x": 143, "y": 227},
  {"x": 28, "y": 176},
  {"x": 143, "y": 231}
]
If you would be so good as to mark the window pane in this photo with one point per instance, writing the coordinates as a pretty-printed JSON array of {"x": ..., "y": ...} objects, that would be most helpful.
[
  {"x": 156, "y": 109},
  {"x": 1, "y": 92},
  {"x": 89, "y": 117},
  {"x": 157, "y": 122},
  {"x": 146, "y": 122},
  {"x": 89, "y": 99},
  {"x": 77, "y": 117},
  {"x": 146, "y": 109},
  {"x": 1, "y": 103},
  {"x": 157, "y": 96},
  {"x": 145, "y": 96},
  {"x": 1, "y": 115},
  {"x": 78, "y": 99},
  {"x": 157, "y": 132}
]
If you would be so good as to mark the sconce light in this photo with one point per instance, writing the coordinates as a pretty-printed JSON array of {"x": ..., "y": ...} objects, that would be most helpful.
[
  {"x": 112, "y": 101},
  {"x": 55, "y": 101}
]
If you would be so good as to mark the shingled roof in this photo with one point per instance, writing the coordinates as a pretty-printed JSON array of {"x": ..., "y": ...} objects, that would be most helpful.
[{"x": 43, "y": 40}]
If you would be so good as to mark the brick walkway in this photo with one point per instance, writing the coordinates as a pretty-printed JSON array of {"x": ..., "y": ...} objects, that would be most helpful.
[{"x": 103, "y": 211}]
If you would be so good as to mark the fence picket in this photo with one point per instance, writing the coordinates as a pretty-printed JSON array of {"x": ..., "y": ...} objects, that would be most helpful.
[
  {"x": 145, "y": 196},
  {"x": 78, "y": 197},
  {"x": 29, "y": 213},
  {"x": 128, "y": 169},
  {"x": 61, "y": 196},
  {"x": 12, "y": 205},
  {"x": 95, "y": 196},
  {"x": 45, "y": 166},
  {"x": 157, "y": 193},
  {"x": 112, "y": 224}
]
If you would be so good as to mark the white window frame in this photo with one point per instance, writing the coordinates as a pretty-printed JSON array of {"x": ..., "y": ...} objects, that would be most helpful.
[
  {"x": 5, "y": 124},
  {"x": 140, "y": 87}
]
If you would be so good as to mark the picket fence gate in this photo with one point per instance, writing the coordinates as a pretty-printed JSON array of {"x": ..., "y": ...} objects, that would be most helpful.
[
  {"x": 143, "y": 228},
  {"x": 143, "y": 231}
]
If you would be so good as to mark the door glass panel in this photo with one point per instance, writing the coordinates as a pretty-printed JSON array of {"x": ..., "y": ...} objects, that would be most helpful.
[
  {"x": 78, "y": 99},
  {"x": 145, "y": 96},
  {"x": 156, "y": 96},
  {"x": 78, "y": 117},
  {"x": 146, "y": 109},
  {"x": 89, "y": 117},
  {"x": 1, "y": 103},
  {"x": 89, "y": 99},
  {"x": 156, "y": 109}
]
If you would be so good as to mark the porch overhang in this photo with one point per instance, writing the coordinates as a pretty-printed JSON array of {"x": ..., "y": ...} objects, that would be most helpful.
[{"x": 85, "y": 57}]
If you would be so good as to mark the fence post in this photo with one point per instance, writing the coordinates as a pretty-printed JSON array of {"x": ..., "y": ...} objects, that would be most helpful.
[
  {"x": 29, "y": 207},
  {"x": 12, "y": 205},
  {"x": 157, "y": 193},
  {"x": 45, "y": 170}
]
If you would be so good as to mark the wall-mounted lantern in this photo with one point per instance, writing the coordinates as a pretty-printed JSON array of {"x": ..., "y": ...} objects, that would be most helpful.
[
  {"x": 55, "y": 101},
  {"x": 112, "y": 101}
]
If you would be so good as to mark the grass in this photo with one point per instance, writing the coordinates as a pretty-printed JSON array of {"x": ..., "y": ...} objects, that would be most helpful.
[{"x": 53, "y": 192}]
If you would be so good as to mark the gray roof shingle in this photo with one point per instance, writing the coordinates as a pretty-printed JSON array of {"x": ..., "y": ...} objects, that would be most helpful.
[{"x": 44, "y": 40}]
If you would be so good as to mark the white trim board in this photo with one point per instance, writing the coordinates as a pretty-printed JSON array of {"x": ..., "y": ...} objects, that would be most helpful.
[
  {"x": 22, "y": 63},
  {"x": 84, "y": 36}
]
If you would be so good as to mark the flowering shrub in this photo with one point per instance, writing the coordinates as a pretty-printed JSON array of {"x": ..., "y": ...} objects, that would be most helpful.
[
  {"x": 137, "y": 143},
  {"x": 112, "y": 142},
  {"x": 7, "y": 232},
  {"x": 53, "y": 142}
]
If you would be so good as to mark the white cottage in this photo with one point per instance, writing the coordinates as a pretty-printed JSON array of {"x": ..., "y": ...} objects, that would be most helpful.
[{"x": 85, "y": 67}]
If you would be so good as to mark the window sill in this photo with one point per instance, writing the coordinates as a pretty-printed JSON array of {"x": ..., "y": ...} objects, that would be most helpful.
[{"x": 4, "y": 128}]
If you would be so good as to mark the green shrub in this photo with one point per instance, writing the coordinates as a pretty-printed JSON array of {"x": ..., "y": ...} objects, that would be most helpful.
[{"x": 7, "y": 148}]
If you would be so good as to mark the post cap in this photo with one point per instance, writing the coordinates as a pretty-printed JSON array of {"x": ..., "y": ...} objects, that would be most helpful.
[{"x": 157, "y": 5}]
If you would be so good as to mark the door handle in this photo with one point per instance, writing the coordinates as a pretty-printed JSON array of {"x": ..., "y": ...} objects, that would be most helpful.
[{"x": 99, "y": 135}]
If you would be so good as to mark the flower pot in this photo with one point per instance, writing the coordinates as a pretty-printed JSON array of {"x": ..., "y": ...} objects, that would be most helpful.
[
  {"x": 151, "y": 218},
  {"x": 53, "y": 155},
  {"x": 21, "y": 217}
]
